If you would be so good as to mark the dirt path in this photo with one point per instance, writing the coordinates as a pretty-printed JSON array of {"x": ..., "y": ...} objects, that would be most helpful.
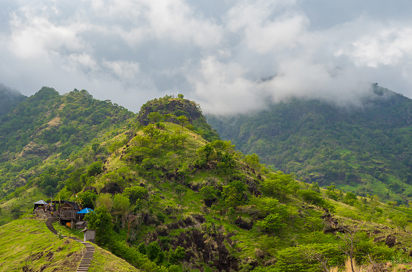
[{"x": 87, "y": 256}]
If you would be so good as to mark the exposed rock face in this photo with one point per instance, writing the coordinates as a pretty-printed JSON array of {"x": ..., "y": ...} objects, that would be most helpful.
[
  {"x": 208, "y": 248},
  {"x": 243, "y": 224},
  {"x": 210, "y": 202},
  {"x": 90, "y": 188},
  {"x": 112, "y": 188},
  {"x": 331, "y": 224},
  {"x": 390, "y": 240},
  {"x": 202, "y": 244}
]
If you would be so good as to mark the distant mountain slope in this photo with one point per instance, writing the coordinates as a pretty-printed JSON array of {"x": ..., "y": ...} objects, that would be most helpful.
[
  {"x": 367, "y": 149},
  {"x": 48, "y": 127},
  {"x": 9, "y": 98}
]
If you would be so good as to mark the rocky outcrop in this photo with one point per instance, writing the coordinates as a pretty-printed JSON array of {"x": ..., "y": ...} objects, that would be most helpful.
[
  {"x": 112, "y": 188},
  {"x": 331, "y": 223},
  {"x": 390, "y": 241},
  {"x": 243, "y": 224}
]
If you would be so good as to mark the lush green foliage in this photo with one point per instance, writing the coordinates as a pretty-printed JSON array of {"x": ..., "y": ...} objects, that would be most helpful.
[
  {"x": 168, "y": 200},
  {"x": 48, "y": 126},
  {"x": 101, "y": 221},
  {"x": 365, "y": 149},
  {"x": 177, "y": 110}
]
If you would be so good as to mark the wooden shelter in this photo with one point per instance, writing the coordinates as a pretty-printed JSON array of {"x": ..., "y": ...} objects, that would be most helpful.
[{"x": 67, "y": 212}]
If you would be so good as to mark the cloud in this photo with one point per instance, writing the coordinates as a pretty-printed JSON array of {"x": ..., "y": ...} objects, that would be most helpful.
[
  {"x": 230, "y": 56},
  {"x": 388, "y": 46}
]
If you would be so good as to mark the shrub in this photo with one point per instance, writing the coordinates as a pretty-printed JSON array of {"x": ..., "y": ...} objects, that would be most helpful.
[
  {"x": 153, "y": 250},
  {"x": 101, "y": 221},
  {"x": 95, "y": 168},
  {"x": 136, "y": 192}
]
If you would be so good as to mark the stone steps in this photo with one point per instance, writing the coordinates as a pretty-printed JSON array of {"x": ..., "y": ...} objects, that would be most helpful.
[{"x": 87, "y": 256}]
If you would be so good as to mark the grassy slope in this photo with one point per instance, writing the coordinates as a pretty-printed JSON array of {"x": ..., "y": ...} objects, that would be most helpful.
[{"x": 28, "y": 243}]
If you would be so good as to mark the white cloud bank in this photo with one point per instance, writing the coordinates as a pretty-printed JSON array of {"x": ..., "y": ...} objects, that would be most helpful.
[{"x": 217, "y": 53}]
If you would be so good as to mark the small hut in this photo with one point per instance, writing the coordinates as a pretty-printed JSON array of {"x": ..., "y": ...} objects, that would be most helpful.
[{"x": 39, "y": 204}]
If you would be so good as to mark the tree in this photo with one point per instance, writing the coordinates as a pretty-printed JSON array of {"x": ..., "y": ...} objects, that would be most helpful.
[
  {"x": 279, "y": 185},
  {"x": 153, "y": 250},
  {"x": 155, "y": 117},
  {"x": 101, "y": 222},
  {"x": 87, "y": 199},
  {"x": 167, "y": 117},
  {"x": 234, "y": 193},
  {"x": 95, "y": 168},
  {"x": 95, "y": 147},
  {"x": 121, "y": 205},
  {"x": 136, "y": 192},
  {"x": 181, "y": 96},
  {"x": 400, "y": 221},
  {"x": 130, "y": 220},
  {"x": 183, "y": 120},
  {"x": 74, "y": 182},
  {"x": 208, "y": 192},
  {"x": 105, "y": 200},
  {"x": 253, "y": 161},
  {"x": 349, "y": 241},
  {"x": 206, "y": 151},
  {"x": 272, "y": 223},
  {"x": 177, "y": 255},
  {"x": 350, "y": 198}
]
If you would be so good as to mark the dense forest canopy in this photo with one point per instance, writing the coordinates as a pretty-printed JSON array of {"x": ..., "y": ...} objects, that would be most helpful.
[{"x": 365, "y": 148}]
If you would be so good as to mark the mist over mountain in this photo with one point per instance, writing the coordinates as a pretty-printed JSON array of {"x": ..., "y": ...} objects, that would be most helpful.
[
  {"x": 365, "y": 148},
  {"x": 9, "y": 98}
]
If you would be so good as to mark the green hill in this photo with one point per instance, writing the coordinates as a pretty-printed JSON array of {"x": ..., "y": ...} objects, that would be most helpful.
[
  {"x": 47, "y": 129},
  {"x": 167, "y": 199},
  {"x": 365, "y": 149}
]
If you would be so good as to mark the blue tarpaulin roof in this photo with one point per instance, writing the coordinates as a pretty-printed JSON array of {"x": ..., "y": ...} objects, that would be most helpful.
[
  {"x": 40, "y": 202},
  {"x": 86, "y": 210}
]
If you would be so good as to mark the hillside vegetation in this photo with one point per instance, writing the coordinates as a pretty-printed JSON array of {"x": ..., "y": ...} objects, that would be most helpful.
[
  {"x": 364, "y": 149},
  {"x": 168, "y": 199},
  {"x": 45, "y": 131}
]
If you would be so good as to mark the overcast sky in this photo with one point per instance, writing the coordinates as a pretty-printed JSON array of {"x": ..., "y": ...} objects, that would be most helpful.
[{"x": 229, "y": 56}]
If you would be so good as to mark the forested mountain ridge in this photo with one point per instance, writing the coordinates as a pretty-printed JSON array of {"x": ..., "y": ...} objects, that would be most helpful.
[
  {"x": 166, "y": 199},
  {"x": 365, "y": 148},
  {"x": 48, "y": 128}
]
